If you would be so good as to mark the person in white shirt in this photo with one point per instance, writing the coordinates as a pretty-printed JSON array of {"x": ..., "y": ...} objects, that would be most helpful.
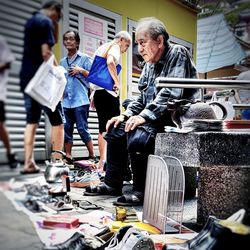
[
  {"x": 6, "y": 58},
  {"x": 107, "y": 102}
]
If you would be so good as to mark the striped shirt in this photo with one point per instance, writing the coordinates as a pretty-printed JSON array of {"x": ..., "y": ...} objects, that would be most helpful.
[{"x": 151, "y": 104}]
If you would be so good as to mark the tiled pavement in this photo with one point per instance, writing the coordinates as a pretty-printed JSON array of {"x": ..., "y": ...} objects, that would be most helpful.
[{"x": 17, "y": 231}]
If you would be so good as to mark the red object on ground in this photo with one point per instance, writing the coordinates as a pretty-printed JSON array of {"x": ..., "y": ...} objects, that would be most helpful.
[{"x": 61, "y": 222}]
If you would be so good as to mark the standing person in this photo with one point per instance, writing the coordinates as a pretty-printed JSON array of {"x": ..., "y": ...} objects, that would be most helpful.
[
  {"x": 39, "y": 38},
  {"x": 107, "y": 102},
  {"x": 6, "y": 58},
  {"x": 76, "y": 100},
  {"x": 134, "y": 130}
]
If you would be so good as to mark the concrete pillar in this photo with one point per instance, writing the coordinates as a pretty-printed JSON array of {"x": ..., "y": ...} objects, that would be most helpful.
[{"x": 223, "y": 160}]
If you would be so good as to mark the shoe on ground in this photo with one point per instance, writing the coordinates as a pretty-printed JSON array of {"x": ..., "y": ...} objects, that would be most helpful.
[
  {"x": 101, "y": 189},
  {"x": 13, "y": 161},
  {"x": 30, "y": 171},
  {"x": 88, "y": 179},
  {"x": 69, "y": 161}
]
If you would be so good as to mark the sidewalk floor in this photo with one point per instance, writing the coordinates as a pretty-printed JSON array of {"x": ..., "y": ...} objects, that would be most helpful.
[{"x": 17, "y": 231}]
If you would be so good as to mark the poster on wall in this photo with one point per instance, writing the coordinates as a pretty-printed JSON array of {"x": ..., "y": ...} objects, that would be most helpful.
[{"x": 93, "y": 33}]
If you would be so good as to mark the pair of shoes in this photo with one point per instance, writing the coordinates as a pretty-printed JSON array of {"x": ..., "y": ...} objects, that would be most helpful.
[
  {"x": 101, "y": 190},
  {"x": 79, "y": 241},
  {"x": 133, "y": 199},
  {"x": 60, "y": 205},
  {"x": 85, "y": 180},
  {"x": 87, "y": 205},
  {"x": 13, "y": 161},
  {"x": 217, "y": 234},
  {"x": 34, "y": 170},
  {"x": 129, "y": 237}
]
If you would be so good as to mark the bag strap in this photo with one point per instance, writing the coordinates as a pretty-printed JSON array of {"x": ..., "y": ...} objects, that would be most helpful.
[{"x": 110, "y": 46}]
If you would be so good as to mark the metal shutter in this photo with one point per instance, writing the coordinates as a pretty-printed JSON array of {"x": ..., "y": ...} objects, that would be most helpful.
[
  {"x": 74, "y": 9},
  {"x": 12, "y": 20}
]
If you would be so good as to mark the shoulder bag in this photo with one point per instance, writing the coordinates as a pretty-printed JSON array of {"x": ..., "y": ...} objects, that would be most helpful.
[{"x": 99, "y": 73}]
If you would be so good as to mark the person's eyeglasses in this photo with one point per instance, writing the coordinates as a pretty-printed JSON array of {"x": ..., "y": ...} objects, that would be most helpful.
[{"x": 69, "y": 39}]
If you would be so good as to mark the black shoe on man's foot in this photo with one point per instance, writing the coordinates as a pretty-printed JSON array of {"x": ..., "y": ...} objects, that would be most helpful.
[
  {"x": 101, "y": 189},
  {"x": 13, "y": 161}
]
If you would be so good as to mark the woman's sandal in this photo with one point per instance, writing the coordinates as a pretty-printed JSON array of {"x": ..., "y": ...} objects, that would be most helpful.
[
  {"x": 134, "y": 199},
  {"x": 100, "y": 190},
  {"x": 30, "y": 171}
]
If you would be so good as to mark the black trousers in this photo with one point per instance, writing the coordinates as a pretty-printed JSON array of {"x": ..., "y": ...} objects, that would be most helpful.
[{"x": 118, "y": 151}]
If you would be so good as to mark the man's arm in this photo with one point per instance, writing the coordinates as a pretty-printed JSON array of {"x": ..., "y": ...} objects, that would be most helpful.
[
  {"x": 46, "y": 51},
  {"x": 113, "y": 72}
]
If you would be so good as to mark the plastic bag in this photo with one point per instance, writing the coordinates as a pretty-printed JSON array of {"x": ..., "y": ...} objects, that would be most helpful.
[{"x": 48, "y": 84}]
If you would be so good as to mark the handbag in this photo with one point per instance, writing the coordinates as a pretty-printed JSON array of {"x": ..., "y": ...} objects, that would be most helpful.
[
  {"x": 99, "y": 72},
  {"x": 48, "y": 84}
]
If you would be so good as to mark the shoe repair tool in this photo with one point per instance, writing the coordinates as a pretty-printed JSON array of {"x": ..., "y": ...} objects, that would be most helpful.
[{"x": 55, "y": 168}]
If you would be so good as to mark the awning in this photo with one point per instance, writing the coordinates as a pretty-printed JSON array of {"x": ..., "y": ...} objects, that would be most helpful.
[{"x": 217, "y": 46}]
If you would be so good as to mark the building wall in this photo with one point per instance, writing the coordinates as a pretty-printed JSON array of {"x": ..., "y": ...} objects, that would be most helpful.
[{"x": 179, "y": 19}]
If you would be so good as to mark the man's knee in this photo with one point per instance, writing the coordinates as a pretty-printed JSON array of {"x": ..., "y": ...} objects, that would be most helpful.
[
  {"x": 141, "y": 140},
  {"x": 116, "y": 134}
]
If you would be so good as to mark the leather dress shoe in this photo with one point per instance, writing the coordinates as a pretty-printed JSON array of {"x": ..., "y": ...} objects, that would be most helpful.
[{"x": 219, "y": 235}]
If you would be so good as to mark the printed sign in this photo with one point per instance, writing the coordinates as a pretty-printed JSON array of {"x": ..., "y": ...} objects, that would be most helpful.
[{"x": 93, "y": 33}]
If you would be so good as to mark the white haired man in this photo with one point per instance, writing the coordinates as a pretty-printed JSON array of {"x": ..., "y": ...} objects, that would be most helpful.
[{"x": 133, "y": 132}]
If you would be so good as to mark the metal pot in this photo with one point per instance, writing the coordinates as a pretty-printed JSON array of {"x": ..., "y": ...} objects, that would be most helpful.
[{"x": 55, "y": 169}]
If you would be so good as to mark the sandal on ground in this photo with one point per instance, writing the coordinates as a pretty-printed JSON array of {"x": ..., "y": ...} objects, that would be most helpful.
[
  {"x": 69, "y": 161},
  {"x": 30, "y": 170},
  {"x": 134, "y": 199},
  {"x": 100, "y": 190}
]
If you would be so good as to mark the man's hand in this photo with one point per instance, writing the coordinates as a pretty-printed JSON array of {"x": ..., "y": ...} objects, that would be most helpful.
[
  {"x": 116, "y": 88},
  {"x": 133, "y": 122},
  {"x": 115, "y": 120}
]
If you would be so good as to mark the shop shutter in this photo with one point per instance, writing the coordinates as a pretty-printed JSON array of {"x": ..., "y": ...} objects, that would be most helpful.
[
  {"x": 75, "y": 8},
  {"x": 12, "y": 20}
]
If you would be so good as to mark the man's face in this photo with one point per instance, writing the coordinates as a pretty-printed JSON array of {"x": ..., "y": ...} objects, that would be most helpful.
[
  {"x": 69, "y": 41},
  {"x": 54, "y": 15},
  {"x": 148, "y": 48},
  {"x": 124, "y": 45}
]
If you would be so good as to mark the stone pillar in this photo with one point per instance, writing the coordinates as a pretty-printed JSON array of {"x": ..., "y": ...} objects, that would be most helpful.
[{"x": 223, "y": 160}]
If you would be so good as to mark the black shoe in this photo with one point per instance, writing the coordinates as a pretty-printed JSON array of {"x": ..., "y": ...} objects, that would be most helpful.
[
  {"x": 13, "y": 161},
  {"x": 220, "y": 235},
  {"x": 69, "y": 161}
]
